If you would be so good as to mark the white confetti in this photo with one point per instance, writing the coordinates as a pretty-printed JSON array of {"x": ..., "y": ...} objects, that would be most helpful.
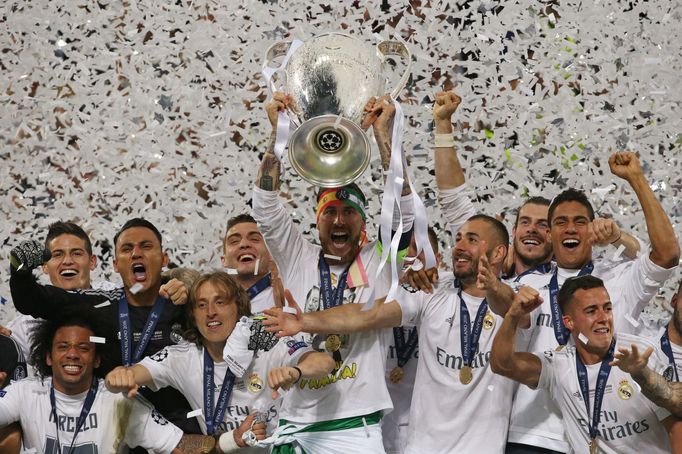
[
  {"x": 255, "y": 269},
  {"x": 289, "y": 310},
  {"x": 332, "y": 257},
  {"x": 195, "y": 413},
  {"x": 136, "y": 287},
  {"x": 618, "y": 253},
  {"x": 104, "y": 304},
  {"x": 98, "y": 340},
  {"x": 582, "y": 338},
  {"x": 231, "y": 271}
]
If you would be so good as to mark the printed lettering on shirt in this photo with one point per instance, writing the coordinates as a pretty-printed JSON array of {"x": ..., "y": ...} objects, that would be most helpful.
[
  {"x": 544, "y": 320},
  {"x": 345, "y": 372},
  {"x": 85, "y": 448},
  {"x": 69, "y": 423},
  {"x": 294, "y": 346},
  {"x": 611, "y": 428},
  {"x": 2, "y": 393},
  {"x": 450, "y": 361},
  {"x": 158, "y": 418},
  {"x": 392, "y": 355}
]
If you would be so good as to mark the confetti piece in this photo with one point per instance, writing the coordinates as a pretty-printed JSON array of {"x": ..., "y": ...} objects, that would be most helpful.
[
  {"x": 136, "y": 287},
  {"x": 231, "y": 271},
  {"x": 195, "y": 413},
  {"x": 583, "y": 338},
  {"x": 289, "y": 310},
  {"x": 255, "y": 269},
  {"x": 332, "y": 257},
  {"x": 98, "y": 340},
  {"x": 618, "y": 253},
  {"x": 104, "y": 304}
]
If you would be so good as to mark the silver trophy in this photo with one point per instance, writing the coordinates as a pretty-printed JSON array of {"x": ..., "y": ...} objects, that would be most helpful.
[{"x": 330, "y": 78}]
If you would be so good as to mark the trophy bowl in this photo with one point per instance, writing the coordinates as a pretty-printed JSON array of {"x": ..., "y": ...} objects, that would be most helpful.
[{"x": 330, "y": 78}]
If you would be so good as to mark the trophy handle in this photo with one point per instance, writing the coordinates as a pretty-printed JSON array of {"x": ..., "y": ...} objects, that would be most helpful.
[
  {"x": 275, "y": 51},
  {"x": 399, "y": 49}
]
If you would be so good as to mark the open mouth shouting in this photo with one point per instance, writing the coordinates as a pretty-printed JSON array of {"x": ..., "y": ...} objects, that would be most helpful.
[
  {"x": 340, "y": 239},
  {"x": 247, "y": 258},
  {"x": 570, "y": 243},
  {"x": 68, "y": 273},
  {"x": 139, "y": 272},
  {"x": 72, "y": 369}
]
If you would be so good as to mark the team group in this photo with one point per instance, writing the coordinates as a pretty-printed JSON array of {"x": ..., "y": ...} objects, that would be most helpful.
[{"x": 529, "y": 343}]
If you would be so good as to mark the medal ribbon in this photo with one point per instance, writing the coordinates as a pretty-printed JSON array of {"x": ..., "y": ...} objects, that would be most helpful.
[
  {"x": 126, "y": 330},
  {"x": 87, "y": 405},
  {"x": 404, "y": 348},
  {"x": 668, "y": 350},
  {"x": 330, "y": 297},
  {"x": 543, "y": 268},
  {"x": 469, "y": 336},
  {"x": 599, "y": 389},
  {"x": 214, "y": 417},
  {"x": 259, "y": 286},
  {"x": 561, "y": 333}
]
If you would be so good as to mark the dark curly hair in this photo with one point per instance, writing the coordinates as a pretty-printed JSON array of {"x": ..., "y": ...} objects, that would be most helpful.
[
  {"x": 42, "y": 337},
  {"x": 233, "y": 291}
]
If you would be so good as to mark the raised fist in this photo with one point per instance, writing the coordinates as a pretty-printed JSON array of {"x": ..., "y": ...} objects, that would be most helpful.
[{"x": 28, "y": 255}]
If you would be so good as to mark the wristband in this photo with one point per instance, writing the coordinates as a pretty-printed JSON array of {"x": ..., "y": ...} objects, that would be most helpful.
[
  {"x": 227, "y": 443},
  {"x": 444, "y": 140},
  {"x": 300, "y": 374},
  {"x": 620, "y": 235}
]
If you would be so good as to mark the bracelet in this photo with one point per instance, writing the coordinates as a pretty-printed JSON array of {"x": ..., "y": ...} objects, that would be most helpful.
[
  {"x": 617, "y": 239},
  {"x": 444, "y": 140},
  {"x": 300, "y": 374}
]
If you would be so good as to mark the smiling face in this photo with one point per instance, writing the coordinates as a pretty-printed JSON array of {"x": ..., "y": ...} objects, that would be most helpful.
[
  {"x": 139, "y": 259},
  {"x": 73, "y": 359},
  {"x": 570, "y": 235},
  {"x": 589, "y": 313},
  {"x": 532, "y": 243},
  {"x": 215, "y": 313},
  {"x": 466, "y": 252},
  {"x": 70, "y": 264},
  {"x": 244, "y": 247},
  {"x": 339, "y": 226}
]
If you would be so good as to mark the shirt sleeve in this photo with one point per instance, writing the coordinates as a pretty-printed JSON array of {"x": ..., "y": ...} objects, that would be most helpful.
[
  {"x": 11, "y": 404},
  {"x": 285, "y": 243},
  {"x": 456, "y": 206},
  {"x": 639, "y": 281},
  {"x": 288, "y": 352},
  {"x": 547, "y": 378},
  {"x": 160, "y": 367},
  {"x": 148, "y": 429},
  {"x": 411, "y": 305}
]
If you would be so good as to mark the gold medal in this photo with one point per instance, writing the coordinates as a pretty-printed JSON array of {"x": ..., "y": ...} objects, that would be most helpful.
[
  {"x": 332, "y": 343},
  {"x": 397, "y": 374},
  {"x": 594, "y": 447},
  {"x": 559, "y": 348},
  {"x": 465, "y": 375}
]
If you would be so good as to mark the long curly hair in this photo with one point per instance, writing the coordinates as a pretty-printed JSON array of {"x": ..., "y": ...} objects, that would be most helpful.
[
  {"x": 233, "y": 291},
  {"x": 42, "y": 337}
]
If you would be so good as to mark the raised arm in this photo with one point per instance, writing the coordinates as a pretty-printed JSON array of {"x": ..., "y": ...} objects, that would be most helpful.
[
  {"x": 449, "y": 172},
  {"x": 665, "y": 251},
  {"x": 268, "y": 177},
  {"x": 654, "y": 386},
  {"x": 347, "y": 318},
  {"x": 605, "y": 232},
  {"x": 504, "y": 359}
]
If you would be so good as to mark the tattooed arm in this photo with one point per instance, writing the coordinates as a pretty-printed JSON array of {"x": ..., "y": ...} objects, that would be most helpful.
[
  {"x": 654, "y": 386},
  {"x": 379, "y": 112},
  {"x": 195, "y": 444},
  {"x": 268, "y": 177}
]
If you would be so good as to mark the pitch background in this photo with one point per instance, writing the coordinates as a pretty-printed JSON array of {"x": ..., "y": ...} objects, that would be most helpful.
[{"x": 112, "y": 110}]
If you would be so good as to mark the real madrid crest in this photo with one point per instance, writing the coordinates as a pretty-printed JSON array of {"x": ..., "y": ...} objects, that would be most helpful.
[
  {"x": 488, "y": 321},
  {"x": 625, "y": 390},
  {"x": 255, "y": 383}
]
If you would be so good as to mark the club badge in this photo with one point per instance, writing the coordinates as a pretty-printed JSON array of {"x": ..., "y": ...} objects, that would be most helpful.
[
  {"x": 625, "y": 390},
  {"x": 255, "y": 384},
  {"x": 488, "y": 321}
]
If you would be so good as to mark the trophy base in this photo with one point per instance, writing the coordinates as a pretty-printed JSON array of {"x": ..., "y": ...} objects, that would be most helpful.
[{"x": 329, "y": 151}]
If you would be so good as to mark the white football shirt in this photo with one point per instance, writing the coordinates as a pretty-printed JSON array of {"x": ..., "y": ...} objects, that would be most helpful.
[{"x": 113, "y": 423}]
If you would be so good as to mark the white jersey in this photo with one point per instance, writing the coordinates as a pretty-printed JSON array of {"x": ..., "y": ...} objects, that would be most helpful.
[
  {"x": 630, "y": 285},
  {"x": 446, "y": 415},
  {"x": 23, "y": 325},
  {"x": 182, "y": 367},
  {"x": 357, "y": 387},
  {"x": 394, "y": 426},
  {"x": 113, "y": 424},
  {"x": 669, "y": 372},
  {"x": 264, "y": 300},
  {"x": 629, "y": 422}
]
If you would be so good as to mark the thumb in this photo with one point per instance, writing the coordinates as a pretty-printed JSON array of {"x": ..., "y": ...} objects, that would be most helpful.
[{"x": 132, "y": 392}]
